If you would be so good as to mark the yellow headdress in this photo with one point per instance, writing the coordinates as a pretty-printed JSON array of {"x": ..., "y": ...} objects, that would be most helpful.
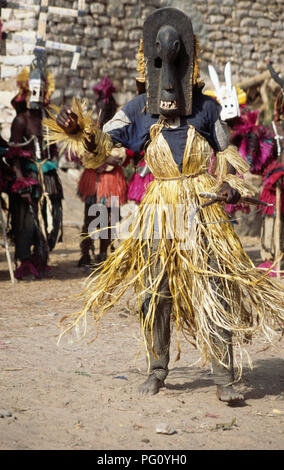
[{"x": 23, "y": 85}]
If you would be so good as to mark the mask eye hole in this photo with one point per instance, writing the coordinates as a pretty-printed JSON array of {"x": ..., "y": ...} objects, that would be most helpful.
[
  {"x": 176, "y": 46},
  {"x": 34, "y": 92},
  {"x": 158, "y": 63},
  {"x": 158, "y": 46}
]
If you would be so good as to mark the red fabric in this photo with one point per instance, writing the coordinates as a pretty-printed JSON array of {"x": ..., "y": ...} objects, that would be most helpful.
[
  {"x": 232, "y": 208},
  {"x": 23, "y": 183},
  {"x": 104, "y": 185},
  {"x": 257, "y": 144},
  {"x": 15, "y": 152},
  {"x": 129, "y": 156},
  {"x": 31, "y": 267},
  {"x": 273, "y": 173},
  {"x": 130, "y": 153},
  {"x": 267, "y": 265},
  {"x": 112, "y": 183},
  {"x": 27, "y": 268},
  {"x": 106, "y": 86},
  {"x": 39, "y": 265},
  {"x": 87, "y": 183},
  {"x": 137, "y": 185}
]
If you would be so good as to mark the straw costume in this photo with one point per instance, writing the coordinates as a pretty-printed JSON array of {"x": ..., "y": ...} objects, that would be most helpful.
[
  {"x": 35, "y": 191},
  {"x": 191, "y": 269}
]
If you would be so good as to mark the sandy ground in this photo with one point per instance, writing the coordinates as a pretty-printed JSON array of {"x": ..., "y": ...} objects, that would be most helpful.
[{"x": 83, "y": 396}]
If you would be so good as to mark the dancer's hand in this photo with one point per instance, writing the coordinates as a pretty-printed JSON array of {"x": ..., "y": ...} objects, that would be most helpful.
[
  {"x": 117, "y": 156},
  {"x": 232, "y": 195},
  {"x": 113, "y": 160},
  {"x": 68, "y": 121}
]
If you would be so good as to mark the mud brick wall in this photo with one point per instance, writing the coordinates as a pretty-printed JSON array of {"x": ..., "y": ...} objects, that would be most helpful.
[{"x": 244, "y": 32}]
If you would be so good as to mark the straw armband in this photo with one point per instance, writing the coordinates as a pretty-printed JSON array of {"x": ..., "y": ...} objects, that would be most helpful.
[
  {"x": 76, "y": 143},
  {"x": 231, "y": 155},
  {"x": 243, "y": 187},
  {"x": 102, "y": 150}
]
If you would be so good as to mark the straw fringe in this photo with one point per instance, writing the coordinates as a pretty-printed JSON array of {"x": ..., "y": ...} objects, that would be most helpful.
[
  {"x": 76, "y": 143},
  {"x": 231, "y": 155},
  {"x": 229, "y": 293}
]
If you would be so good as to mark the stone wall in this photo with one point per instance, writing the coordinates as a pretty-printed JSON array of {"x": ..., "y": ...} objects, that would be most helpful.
[{"x": 244, "y": 32}]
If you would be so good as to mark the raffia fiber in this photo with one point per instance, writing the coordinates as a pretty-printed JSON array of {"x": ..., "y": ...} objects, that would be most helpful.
[
  {"x": 232, "y": 156},
  {"x": 75, "y": 143},
  {"x": 255, "y": 303}
]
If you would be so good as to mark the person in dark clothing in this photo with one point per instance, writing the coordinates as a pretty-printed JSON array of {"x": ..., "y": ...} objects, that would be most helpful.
[{"x": 35, "y": 194}]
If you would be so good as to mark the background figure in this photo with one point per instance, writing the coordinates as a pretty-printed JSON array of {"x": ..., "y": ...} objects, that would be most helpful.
[
  {"x": 142, "y": 176},
  {"x": 3, "y": 151},
  {"x": 254, "y": 141},
  {"x": 35, "y": 192},
  {"x": 272, "y": 236},
  {"x": 100, "y": 185},
  {"x": 255, "y": 144}
]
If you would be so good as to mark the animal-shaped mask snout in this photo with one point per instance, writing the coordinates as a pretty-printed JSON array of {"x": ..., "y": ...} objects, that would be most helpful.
[{"x": 168, "y": 48}]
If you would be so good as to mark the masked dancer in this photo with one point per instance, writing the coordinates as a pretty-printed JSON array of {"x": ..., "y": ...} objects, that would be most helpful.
[{"x": 181, "y": 254}]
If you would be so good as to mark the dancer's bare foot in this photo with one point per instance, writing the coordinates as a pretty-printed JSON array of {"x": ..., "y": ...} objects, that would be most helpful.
[
  {"x": 151, "y": 386},
  {"x": 228, "y": 394}
]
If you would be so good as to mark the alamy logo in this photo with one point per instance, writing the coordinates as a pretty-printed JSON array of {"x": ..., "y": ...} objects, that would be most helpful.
[{"x": 147, "y": 221}]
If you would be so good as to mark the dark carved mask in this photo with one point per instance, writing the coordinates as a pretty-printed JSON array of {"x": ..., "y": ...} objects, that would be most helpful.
[{"x": 168, "y": 44}]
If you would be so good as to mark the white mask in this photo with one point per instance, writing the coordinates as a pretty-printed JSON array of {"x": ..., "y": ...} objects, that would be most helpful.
[
  {"x": 36, "y": 87},
  {"x": 226, "y": 94}
]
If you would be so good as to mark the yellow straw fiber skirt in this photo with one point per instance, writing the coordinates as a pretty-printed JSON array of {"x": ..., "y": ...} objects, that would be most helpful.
[{"x": 192, "y": 249}]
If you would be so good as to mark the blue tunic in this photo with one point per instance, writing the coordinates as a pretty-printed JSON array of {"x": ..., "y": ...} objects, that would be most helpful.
[{"x": 131, "y": 126}]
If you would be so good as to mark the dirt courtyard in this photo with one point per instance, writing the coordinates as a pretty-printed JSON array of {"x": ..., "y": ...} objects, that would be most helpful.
[{"x": 81, "y": 396}]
